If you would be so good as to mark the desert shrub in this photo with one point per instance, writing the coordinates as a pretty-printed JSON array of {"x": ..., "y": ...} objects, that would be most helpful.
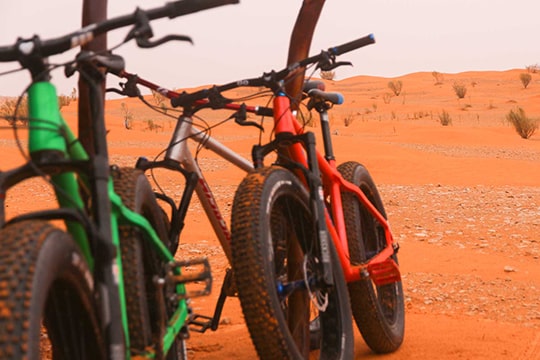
[
  {"x": 7, "y": 110},
  {"x": 444, "y": 118},
  {"x": 460, "y": 90},
  {"x": 525, "y": 79},
  {"x": 348, "y": 119},
  {"x": 328, "y": 75},
  {"x": 395, "y": 86},
  {"x": 387, "y": 97},
  {"x": 63, "y": 100},
  {"x": 73, "y": 94},
  {"x": 152, "y": 126},
  {"x": 128, "y": 116},
  {"x": 533, "y": 68},
  {"x": 524, "y": 125},
  {"x": 439, "y": 78},
  {"x": 157, "y": 98}
]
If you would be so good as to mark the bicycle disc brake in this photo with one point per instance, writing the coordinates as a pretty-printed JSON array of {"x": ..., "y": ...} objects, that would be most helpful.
[{"x": 319, "y": 300}]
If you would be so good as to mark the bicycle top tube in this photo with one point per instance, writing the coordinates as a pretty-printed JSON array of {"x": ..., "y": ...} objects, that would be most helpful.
[{"x": 43, "y": 48}]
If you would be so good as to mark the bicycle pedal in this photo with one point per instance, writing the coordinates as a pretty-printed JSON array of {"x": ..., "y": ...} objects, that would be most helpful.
[
  {"x": 194, "y": 274},
  {"x": 200, "y": 323},
  {"x": 384, "y": 272}
]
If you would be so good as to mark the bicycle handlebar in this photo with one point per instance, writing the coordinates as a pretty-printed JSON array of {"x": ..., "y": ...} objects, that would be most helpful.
[
  {"x": 273, "y": 78},
  {"x": 61, "y": 44},
  {"x": 353, "y": 45}
]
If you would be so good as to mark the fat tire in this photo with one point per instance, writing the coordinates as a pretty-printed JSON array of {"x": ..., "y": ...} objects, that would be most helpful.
[
  {"x": 260, "y": 205},
  {"x": 45, "y": 281},
  {"x": 378, "y": 311},
  {"x": 140, "y": 263}
]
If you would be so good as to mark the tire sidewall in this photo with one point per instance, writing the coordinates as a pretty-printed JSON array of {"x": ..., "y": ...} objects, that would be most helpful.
[
  {"x": 277, "y": 183},
  {"x": 282, "y": 181},
  {"x": 58, "y": 258}
]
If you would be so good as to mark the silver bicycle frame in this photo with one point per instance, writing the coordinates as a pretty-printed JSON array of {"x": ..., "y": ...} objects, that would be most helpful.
[{"x": 178, "y": 151}]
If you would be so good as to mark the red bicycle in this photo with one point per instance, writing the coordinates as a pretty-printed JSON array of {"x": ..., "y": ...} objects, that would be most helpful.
[{"x": 302, "y": 229}]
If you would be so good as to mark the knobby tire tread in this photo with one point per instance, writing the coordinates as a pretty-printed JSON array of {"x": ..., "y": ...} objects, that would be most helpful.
[
  {"x": 140, "y": 332},
  {"x": 247, "y": 265},
  {"x": 260, "y": 307},
  {"x": 140, "y": 263},
  {"x": 40, "y": 266},
  {"x": 378, "y": 333}
]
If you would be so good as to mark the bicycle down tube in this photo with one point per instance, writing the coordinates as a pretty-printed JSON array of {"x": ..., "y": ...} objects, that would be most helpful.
[{"x": 179, "y": 152}]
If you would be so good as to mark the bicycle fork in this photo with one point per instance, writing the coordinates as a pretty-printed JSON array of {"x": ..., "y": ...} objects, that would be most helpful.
[
  {"x": 285, "y": 140},
  {"x": 382, "y": 269}
]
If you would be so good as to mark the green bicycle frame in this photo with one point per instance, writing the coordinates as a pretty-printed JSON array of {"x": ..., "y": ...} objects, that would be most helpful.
[{"x": 48, "y": 131}]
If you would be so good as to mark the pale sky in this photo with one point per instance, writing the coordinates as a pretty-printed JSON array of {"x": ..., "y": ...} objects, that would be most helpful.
[{"x": 244, "y": 40}]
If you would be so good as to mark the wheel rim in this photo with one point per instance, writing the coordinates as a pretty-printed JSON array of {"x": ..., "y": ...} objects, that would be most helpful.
[
  {"x": 68, "y": 331},
  {"x": 374, "y": 239}
]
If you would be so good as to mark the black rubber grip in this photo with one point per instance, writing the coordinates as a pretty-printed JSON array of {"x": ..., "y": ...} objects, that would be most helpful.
[
  {"x": 264, "y": 111},
  {"x": 333, "y": 97},
  {"x": 8, "y": 53},
  {"x": 183, "y": 7},
  {"x": 353, "y": 45}
]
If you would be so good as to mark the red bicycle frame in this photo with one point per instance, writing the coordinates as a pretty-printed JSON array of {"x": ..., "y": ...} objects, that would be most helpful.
[{"x": 381, "y": 268}]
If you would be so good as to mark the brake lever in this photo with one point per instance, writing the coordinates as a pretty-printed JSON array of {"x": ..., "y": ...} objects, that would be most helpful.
[
  {"x": 129, "y": 88},
  {"x": 240, "y": 118},
  {"x": 328, "y": 67},
  {"x": 142, "y": 32},
  {"x": 145, "y": 43},
  {"x": 328, "y": 62}
]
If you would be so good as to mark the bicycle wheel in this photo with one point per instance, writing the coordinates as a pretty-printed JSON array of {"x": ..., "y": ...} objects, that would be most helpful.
[
  {"x": 378, "y": 310},
  {"x": 279, "y": 287},
  {"x": 140, "y": 263},
  {"x": 48, "y": 308}
]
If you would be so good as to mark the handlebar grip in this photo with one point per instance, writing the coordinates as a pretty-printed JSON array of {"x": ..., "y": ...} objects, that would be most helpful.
[
  {"x": 8, "y": 53},
  {"x": 264, "y": 111},
  {"x": 353, "y": 45},
  {"x": 333, "y": 97},
  {"x": 183, "y": 7}
]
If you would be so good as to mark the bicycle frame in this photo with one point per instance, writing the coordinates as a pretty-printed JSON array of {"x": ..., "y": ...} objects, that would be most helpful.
[
  {"x": 48, "y": 132},
  {"x": 382, "y": 269},
  {"x": 179, "y": 153}
]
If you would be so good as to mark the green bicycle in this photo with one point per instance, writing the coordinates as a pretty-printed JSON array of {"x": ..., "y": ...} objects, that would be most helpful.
[{"x": 105, "y": 284}]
